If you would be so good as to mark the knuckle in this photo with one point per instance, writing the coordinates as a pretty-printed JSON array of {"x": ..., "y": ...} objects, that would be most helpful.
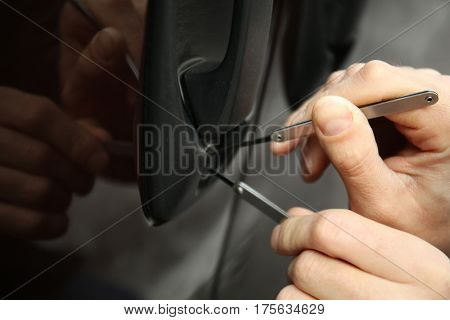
[
  {"x": 352, "y": 66},
  {"x": 374, "y": 71},
  {"x": 324, "y": 229},
  {"x": 352, "y": 69}
]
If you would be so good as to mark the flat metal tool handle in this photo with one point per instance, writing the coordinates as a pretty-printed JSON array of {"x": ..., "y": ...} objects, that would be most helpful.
[
  {"x": 256, "y": 199},
  {"x": 398, "y": 105}
]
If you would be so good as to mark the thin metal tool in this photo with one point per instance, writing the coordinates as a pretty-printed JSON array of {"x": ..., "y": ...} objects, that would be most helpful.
[
  {"x": 402, "y": 104},
  {"x": 256, "y": 199}
]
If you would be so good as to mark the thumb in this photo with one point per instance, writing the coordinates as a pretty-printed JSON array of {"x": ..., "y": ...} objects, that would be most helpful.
[
  {"x": 348, "y": 140},
  {"x": 98, "y": 71}
]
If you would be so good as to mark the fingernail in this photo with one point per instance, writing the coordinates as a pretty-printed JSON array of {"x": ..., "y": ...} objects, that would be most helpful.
[
  {"x": 305, "y": 160},
  {"x": 334, "y": 118},
  {"x": 98, "y": 162},
  {"x": 275, "y": 237}
]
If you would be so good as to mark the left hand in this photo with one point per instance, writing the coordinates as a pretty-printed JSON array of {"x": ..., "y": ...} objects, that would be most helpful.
[{"x": 342, "y": 255}]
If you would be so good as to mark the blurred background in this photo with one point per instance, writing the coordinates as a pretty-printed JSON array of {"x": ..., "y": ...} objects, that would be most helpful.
[{"x": 125, "y": 261}]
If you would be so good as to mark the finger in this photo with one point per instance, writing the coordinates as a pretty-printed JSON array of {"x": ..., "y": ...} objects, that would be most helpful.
[
  {"x": 287, "y": 146},
  {"x": 141, "y": 8},
  {"x": 361, "y": 84},
  {"x": 76, "y": 31},
  {"x": 375, "y": 81},
  {"x": 109, "y": 99},
  {"x": 378, "y": 81},
  {"x": 23, "y": 153},
  {"x": 284, "y": 240},
  {"x": 305, "y": 110},
  {"x": 327, "y": 278},
  {"x": 106, "y": 51},
  {"x": 313, "y": 159},
  {"x": 40, "y": 118},
  {"x": 33, "y": 192},
  {"x": 416, "y": 125},
  {"x": 123, "y": 16},
  {"x": 347, "y": 138},
  {"x": 366, "y": 244},
  {"x": 283, "y": 148},
  {"x": 303, "y": 113},
  {"x": 28, "y": 224},
  {"x": 292, "y": 293}
]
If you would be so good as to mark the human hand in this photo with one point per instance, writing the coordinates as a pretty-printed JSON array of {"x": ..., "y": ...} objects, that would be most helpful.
[
  {"x": 342, "y": 255},
  {"x": 99, "y": 88},
  {"x": 45, "y": 157},
  {"x": 409, "y": 190}
]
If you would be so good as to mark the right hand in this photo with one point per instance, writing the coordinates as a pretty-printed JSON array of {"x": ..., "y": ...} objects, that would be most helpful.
[
  {"x": 410, "y": 190},
  {"x": 45, "y": 157}
]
